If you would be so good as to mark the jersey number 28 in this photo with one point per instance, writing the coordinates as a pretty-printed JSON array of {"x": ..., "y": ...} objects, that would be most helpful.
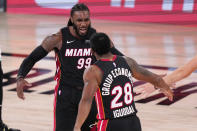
[{"x": 118, "y": 91}]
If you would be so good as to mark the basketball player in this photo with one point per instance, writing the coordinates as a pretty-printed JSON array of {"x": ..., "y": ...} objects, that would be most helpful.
[
  {"x": 3, "y": 127},
  {"x": 110, "y": 80},
  {"x": 177, "y": 75},
  {"x": 73, "y": 55}
]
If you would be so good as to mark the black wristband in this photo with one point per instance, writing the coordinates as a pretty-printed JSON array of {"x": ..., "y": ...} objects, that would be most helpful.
[
  {"x": 29, "y": 61},
  {"x": 19, "y": 77}
]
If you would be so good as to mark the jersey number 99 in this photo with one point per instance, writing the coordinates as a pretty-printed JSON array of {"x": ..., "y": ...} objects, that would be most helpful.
[{"x": 84, "y": 63}]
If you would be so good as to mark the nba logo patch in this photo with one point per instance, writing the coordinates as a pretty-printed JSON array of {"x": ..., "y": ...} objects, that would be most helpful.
[{"x": 114, "y": 64}]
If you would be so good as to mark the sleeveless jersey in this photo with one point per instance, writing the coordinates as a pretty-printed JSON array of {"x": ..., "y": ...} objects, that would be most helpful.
[
  {"x": 114, "y": 96},
  {"x": 73, "y": 58}
]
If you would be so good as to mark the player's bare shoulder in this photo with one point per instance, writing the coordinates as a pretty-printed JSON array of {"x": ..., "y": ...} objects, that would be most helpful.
[
  {"x": 52, "y": 41},
  {"x": 93, "y": 72}
]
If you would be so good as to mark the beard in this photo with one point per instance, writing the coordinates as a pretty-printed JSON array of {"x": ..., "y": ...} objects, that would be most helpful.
[{"x": 82, "y": 36}]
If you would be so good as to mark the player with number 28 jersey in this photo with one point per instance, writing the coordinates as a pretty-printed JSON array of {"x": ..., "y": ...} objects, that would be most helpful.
[{"x": 114, "y": 98}]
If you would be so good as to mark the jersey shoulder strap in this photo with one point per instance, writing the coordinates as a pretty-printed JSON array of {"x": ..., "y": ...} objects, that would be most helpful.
[{"x": 64, "y": 32}]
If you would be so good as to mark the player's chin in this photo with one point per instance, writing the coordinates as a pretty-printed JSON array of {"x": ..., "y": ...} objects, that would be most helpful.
[{"x": 82, "y": 33}]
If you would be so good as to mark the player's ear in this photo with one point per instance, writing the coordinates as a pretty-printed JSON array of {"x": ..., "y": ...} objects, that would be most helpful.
[
  {"x": 71, "y": 19},
  {"x": 69, "y": 22},
  {"x": 92, "y": 51},
  {"x": 111, "y": 44}
]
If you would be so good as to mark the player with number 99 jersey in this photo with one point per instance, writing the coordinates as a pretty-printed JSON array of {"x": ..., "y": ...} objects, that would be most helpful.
[
  {"x": 71, "y": 61},
  {"x": 73, "y": 58}
]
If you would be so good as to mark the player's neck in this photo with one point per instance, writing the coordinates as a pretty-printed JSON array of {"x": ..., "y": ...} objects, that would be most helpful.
[{"x": 109, "y": 56}]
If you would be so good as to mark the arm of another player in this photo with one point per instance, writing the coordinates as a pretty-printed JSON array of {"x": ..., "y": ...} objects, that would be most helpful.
[
  {"x": 177, "y": 75},
  {"x": 141, "y": 73},
  {"x": 48, "y": 44},
  {"x": 147, "y": 89},
  {"x": 182, "y": 72},
  {"x": 92, "y": 78}
]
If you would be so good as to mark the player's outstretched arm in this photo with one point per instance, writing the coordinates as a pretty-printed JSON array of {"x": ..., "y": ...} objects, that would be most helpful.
[
  {"x": 92, "y": 78},
  {"x": 177, "y": 75},
  {"x": 145, "y": 90},
  {"x": 48, "y": 44},
  {"x": 141, "y": 73},
  {"x": 182, "y": 72}
]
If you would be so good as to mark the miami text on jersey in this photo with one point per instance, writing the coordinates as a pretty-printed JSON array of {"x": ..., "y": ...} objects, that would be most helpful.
[{"x": 78, "y": 52}]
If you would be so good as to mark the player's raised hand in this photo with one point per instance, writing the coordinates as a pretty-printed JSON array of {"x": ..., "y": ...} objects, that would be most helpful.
[
  {"x": 147, "y": 89},
  {"x": 144, "y": 90},
  {"x": 21, "y": 83},
  {"x": 168, "y": 93},
  {"x": 169, "y": 82}
]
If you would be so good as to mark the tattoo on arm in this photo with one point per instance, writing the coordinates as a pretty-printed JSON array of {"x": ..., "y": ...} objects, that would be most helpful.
[
  {"x": 141, "y": 73},
  {"x": 53, "y": 41}
]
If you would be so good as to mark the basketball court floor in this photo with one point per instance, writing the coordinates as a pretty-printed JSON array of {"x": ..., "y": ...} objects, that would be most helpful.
[{"x": 158, "y": 47}]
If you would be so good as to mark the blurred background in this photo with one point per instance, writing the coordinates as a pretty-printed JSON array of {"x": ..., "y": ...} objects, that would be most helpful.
[{"x": 160, "y": 35}]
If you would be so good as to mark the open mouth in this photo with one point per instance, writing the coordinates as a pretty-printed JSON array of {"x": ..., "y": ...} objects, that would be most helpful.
[{"x": 82, "y": 31}]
